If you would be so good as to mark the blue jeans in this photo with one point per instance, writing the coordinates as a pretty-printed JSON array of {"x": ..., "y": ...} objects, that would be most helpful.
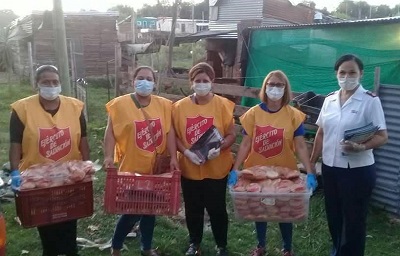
[
  {"x": 286, "y": 233},
  {"x": 125, "y": 225}
]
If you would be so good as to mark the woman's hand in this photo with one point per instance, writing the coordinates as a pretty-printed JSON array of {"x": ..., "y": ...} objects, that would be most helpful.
[
  {"x": 311, "y": 182},
  {"x": 232, "y": 178},
  {"x": 173, "y": 165},
  {"x": 349, "y": 146},
  {"x": 192, "y": 157},
  {"x": 108, "y": 162},
  {"x": 213, "y": 153}
]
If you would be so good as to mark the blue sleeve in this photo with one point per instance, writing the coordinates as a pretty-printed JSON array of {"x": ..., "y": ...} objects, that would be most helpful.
[
  {"x": 244, "y": 132},
  {"x": 300, "y": 131}
]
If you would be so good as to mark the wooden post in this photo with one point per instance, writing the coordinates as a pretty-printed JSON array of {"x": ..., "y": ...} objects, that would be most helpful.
[
  {"x": 60, "y": 46},
  {"x": 377, "y": 80},
  {"x": 117, "y": 69},
  {"x": 73, "y": 67},
  {"x": 31, "y": 71},
  {"x": 134, "y": 32},
  {"x": 171, "y": 39}
]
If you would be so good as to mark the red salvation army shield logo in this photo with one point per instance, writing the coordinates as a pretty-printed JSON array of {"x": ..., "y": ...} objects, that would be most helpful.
[
  {"x": 54, "y": 143},
  {"x": 144, "y": 138},
  {"x": 268, "y": 141},
  {"x": 197, "y": 126}
]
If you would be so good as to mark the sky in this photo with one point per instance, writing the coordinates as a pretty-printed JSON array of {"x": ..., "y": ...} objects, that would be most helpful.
[{"x": 23, "y": 7}]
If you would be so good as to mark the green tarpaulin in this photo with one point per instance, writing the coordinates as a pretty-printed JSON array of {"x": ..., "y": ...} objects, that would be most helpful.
[{"x": 307, "y": 54}]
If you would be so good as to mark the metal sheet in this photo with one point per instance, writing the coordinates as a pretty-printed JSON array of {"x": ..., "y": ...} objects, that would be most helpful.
[
  {"x": 231, "y": 12},
  {"x": 386, "y": 194}
]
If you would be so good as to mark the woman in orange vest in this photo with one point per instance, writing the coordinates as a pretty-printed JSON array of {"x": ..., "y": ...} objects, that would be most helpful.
[
  {"x": 136, "y": 146},
  {"x": 204, "y": 182},
  {"x": 279, "y": 125},
  {"x": 34, "y": 119}
]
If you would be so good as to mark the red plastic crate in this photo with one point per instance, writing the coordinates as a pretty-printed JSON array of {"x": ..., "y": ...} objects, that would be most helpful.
[
  {"x": 144, "y": 195},
  {"x": 38, "y": 207}
]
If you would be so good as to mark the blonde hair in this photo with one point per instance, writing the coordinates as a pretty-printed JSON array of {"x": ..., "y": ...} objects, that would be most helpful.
[{"x": 287, "y": 96}]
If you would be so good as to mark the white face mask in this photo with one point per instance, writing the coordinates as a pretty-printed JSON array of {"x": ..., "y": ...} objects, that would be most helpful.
[
  {"x": 49, "y": 93},
  {"x": 202, "y": 89},
  {"x": 275, "y": 93},
  {"x": 144, "y": 87},
  {"x": 348, "y": 83}
]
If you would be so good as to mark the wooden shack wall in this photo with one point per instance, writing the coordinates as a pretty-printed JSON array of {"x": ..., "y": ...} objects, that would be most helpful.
[{"x": 97, "y": 34}]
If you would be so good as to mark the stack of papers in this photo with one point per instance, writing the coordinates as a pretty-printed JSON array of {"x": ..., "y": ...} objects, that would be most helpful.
[
  {"x": 210, "y": 139},
  {"x": 361, "y": 134}
]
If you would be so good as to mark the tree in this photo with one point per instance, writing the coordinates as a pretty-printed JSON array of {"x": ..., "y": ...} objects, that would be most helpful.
[
  {"x": 310, "y": 4},
  {"x": 396, "y": 10},
  {"x": 347, "y": 8},
  {"x": 362, "y": 10},
  {"x": 124, "y": 11},
  {"x": 6, "y": 51},
  {"x": 6, "y": 17},
  {"x": 382, "y": 11},
  {"x": 165, "y": 9}
]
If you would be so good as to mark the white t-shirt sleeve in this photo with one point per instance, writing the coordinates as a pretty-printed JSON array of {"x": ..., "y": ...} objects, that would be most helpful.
[{"x": 376, "y": 113}]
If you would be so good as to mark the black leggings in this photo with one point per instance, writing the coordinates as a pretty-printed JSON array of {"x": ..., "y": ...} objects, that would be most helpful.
[
  {"x": 59, "y": 238},
  {"x": 209, "y": 194}
]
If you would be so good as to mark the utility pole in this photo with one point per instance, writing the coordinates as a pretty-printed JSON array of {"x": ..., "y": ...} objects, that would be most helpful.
[
  {"x": 194, "y": 31},
  {"x": 171, "y": 40},
  {"x": 60, "y": 46}
]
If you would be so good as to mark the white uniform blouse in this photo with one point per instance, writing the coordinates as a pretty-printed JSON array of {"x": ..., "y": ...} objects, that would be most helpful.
[{"x": 359, "y": 110}]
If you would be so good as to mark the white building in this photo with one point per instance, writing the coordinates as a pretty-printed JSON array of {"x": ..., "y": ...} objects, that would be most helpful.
[{"x": 183, "y": 26}]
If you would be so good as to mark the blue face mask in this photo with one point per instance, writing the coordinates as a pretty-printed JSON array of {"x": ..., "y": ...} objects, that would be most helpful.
[{"x": 144, "y": 87}]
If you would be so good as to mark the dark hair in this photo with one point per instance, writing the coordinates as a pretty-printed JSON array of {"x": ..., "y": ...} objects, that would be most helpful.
[
  {"x": 200, "y": 68},
  {"x": 45, "y": 68},
  {"x": 141, "y": 68},
  {"x": 349, "y": 57}
]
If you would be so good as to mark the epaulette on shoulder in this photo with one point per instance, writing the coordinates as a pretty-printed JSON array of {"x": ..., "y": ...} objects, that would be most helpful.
[
  {"x": 332, "y": 93},
  {"x": 371, "y": 94}
]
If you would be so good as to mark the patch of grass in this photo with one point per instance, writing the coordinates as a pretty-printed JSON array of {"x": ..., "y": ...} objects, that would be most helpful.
[{"x": 310, "y": 238}]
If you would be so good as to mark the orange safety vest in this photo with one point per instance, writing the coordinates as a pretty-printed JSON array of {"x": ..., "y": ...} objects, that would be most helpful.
[
  {"x": 272, "y": 136},
  {"x": 48, "y": 138},
  {"x": 135, "y": 151},
  {"x": 191, "y": 121}
]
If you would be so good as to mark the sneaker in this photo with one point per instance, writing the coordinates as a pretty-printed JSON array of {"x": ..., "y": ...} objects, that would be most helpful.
[
  {"x": 193, "y": 250},
  {"x": 259, "y": 251},
  {"x": 287, "y": 253},
  {"x": 152, "y": 252},
  {"x": 222, "y": 251}
]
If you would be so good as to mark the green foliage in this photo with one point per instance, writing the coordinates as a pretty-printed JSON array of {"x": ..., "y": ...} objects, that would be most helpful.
[
  {"x": 124, "y": 11},
  {"x": 163, "y": 8},
  {"x": 182, "y": 56},
  {"x": 6, "y": 51},
  {"x": 362, "y": 10}
]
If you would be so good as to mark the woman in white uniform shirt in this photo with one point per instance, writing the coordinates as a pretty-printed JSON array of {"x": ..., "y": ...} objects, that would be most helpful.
[{"x": 348, "y": 178}]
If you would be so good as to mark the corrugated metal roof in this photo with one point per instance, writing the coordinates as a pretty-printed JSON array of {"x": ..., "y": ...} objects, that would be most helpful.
[
  {"x": 341, "y": 23},
  {"x": 387, "y": 190}
]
